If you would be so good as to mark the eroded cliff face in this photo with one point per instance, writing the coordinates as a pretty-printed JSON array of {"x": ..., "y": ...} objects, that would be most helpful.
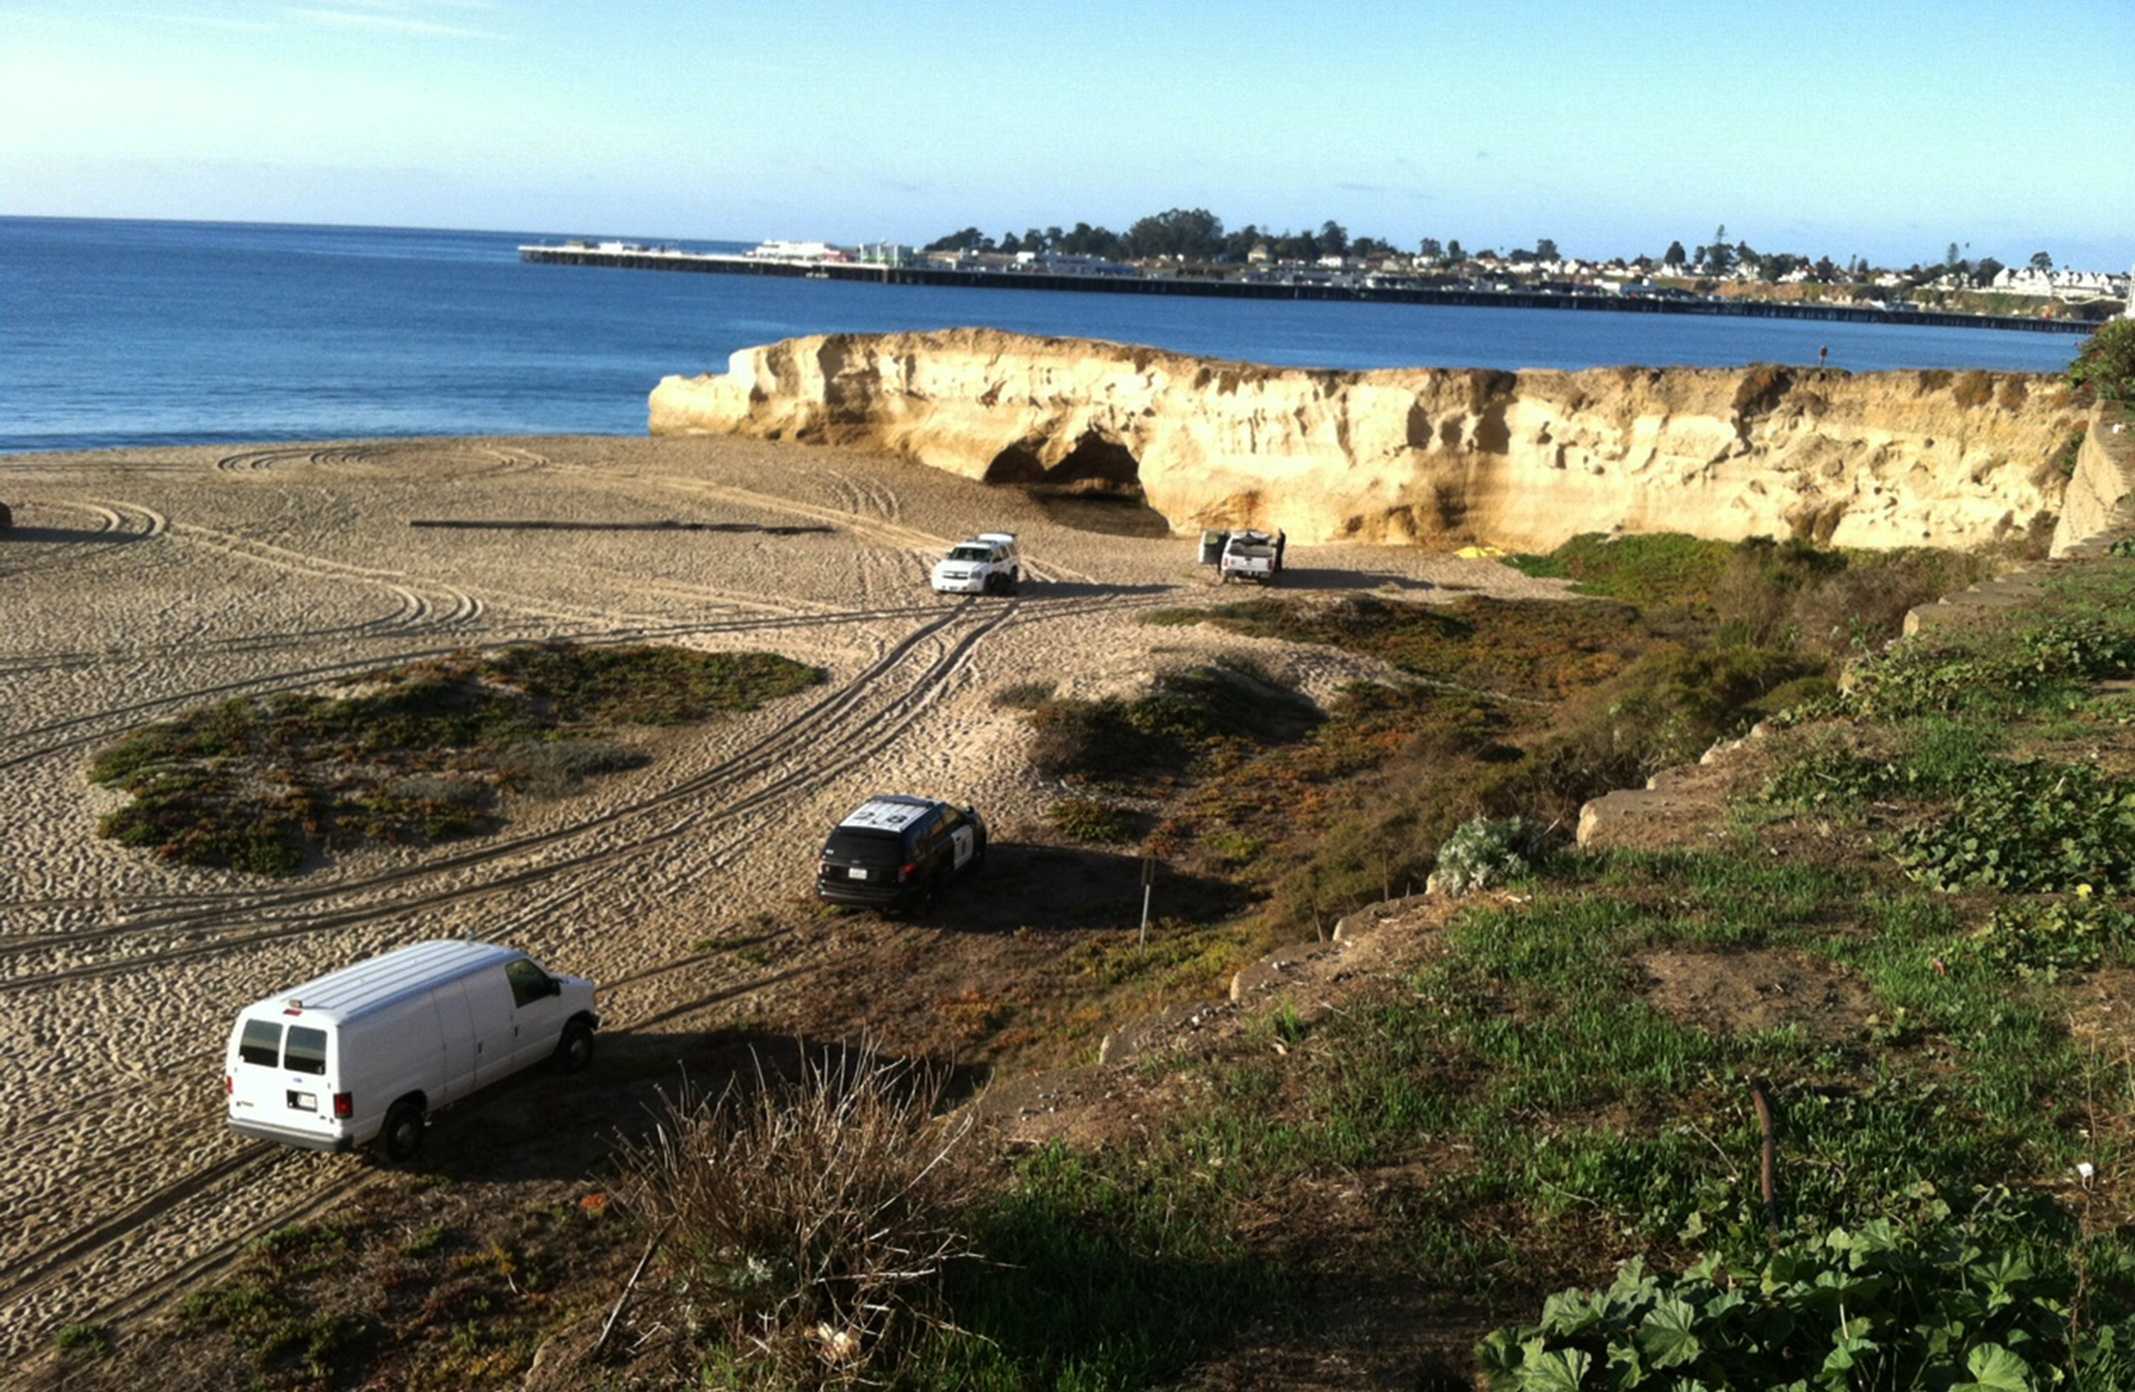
[{"x": 1523, "y": 459}]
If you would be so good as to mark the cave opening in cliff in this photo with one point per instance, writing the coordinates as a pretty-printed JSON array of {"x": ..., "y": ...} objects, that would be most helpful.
[{"x": 1095, "y": 487}]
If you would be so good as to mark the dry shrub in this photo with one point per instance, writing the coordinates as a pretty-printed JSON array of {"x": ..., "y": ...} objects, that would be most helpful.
[
  {"x": 1973, "y": 389},
  {"x": 2014, "y": 393},
  {"x": 808, "y": 1223},
  {"x": 1864, "y": 605},
  {"x": 1762, "y": 388},
  {"x": 554, "y": 768}
]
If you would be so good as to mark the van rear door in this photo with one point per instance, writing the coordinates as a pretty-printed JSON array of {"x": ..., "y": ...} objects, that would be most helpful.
[{"x": 280, "y": 1075}]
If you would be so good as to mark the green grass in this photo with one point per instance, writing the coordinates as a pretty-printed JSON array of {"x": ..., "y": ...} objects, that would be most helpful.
[
  {"x": 269, "y": 1312},
  {"x": 1183, "y": 718},
  {"x": 1093, "y": 822},
  {"x": 1665, "y": 568},
  {"x": 416, "y": 755},
  {"x": 79, "y": 1341},
  {"x": 1539, "y": 1101}
]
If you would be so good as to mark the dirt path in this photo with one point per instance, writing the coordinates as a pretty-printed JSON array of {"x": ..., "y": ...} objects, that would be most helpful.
[{"x": 140, "y": 584}]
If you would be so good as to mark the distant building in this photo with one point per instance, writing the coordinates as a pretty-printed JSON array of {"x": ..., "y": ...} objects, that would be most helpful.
[
  {"x": 800, "y": 251},
  {"x": 885, "y": 254},
  {"x": 1259, "y": 255},
  {"x": 2059, "y": 285}
]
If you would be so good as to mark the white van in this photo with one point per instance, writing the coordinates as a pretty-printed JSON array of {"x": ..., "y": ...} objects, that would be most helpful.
[{"x": 373, "y": 1049}]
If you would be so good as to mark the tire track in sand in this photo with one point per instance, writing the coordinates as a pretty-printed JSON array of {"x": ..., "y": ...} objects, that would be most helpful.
[{"x": 817, "y": 733}]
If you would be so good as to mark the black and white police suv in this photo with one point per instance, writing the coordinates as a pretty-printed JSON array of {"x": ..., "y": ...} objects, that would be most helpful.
[{"x": 893, "y": 851}]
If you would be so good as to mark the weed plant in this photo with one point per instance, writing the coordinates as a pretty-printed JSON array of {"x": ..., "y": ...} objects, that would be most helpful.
[
  {"x": 1092, "y": 821},
  {"x": 809, "y": 1227}
]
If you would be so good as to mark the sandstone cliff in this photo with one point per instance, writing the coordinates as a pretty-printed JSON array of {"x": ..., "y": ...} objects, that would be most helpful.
[{"x": 1525, "y": 459}]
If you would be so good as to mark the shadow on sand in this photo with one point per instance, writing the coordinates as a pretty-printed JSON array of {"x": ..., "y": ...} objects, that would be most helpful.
[
  {"x": 1059, "y": 888},
  {"x": 544, "y": 1125},
  {"x": 1316, "y": 578},
  {"x": 49, "y": 535}
]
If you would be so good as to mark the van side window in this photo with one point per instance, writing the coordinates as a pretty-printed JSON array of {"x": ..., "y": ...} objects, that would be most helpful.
[
  {"x": 529, "y": 982},
  {"x": 306, "y": 1050},
  {"x": 261, "y": 1043}
]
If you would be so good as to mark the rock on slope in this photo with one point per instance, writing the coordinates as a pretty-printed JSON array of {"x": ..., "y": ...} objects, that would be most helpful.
[{"x": 1526, "y": 459}]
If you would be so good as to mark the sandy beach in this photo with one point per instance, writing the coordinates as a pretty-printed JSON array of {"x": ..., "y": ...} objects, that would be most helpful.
[{"x": 139, "y": 584}]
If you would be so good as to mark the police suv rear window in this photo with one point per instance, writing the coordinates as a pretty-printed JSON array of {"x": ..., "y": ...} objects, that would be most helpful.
[
  {"x": 306, "y": 1051},
  {"x": 852, "y": 843},
  {"x": 261, "y": 1043}
]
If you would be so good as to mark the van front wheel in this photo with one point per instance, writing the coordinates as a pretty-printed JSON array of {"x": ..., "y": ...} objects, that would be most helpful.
[
  {"x": 403, "y": 1132},
  {"x": 575, "y": 1050}
]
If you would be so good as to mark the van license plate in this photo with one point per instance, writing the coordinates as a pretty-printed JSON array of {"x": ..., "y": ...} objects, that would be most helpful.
[
  {"x": 304, "y": 1101},
  {"x": 857, "y": 873}
]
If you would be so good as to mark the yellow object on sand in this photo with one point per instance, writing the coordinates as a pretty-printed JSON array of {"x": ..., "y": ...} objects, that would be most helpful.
[{"x": 1480, "y": 553}]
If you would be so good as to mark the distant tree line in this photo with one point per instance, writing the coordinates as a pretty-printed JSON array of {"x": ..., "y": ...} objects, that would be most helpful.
[
  {"x": 1198, "y": 235},
  {"x": 1185, "y": 234}
]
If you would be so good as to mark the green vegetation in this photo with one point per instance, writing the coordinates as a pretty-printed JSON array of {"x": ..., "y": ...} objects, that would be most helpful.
[
  {"x": 417, "y": 754},
  {"x": 1539, "y": 1100},
  {"x": 1184, "y": 717},
  {"x": 1092, "y": 820},
  {"x": 2033, "y": 825},
  {"x": 389, "y": 1295},
  {"x": 1825, "y": 602},
  {"x": 83, "y": 1341},
  {"x": 2106, "y": 362},
  {"x": 1481, "y": 853},
  {"x": 1941, "y": 1303},
  {"x": 1523, "y": 1110},
  {"x": 277, "y": 1325},
  {"x": 1515, "y": 708}
]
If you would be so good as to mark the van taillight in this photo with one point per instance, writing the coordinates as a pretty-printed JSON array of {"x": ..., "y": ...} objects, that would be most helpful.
[
  {"x": 344, "y": 1104},
  {"x": 905, "y": 872},
  {"x": 229, "y": 1086}
]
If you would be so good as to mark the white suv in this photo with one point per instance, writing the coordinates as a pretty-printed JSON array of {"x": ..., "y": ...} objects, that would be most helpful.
[{"x": 986, "y": 564}]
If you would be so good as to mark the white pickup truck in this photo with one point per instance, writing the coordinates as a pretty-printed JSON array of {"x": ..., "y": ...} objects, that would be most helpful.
[
  {"x": 1249, "y": 555},
  {"x": 988, "y": 563}
]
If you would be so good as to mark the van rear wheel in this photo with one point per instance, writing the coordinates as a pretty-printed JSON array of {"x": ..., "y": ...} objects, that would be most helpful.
[
  {"x": 403, "y": 1132},
  {"x": 575, "y": 1050}
]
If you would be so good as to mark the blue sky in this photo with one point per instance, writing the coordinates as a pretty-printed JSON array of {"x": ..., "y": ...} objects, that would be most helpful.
[{"x": 1887, "y": 129}]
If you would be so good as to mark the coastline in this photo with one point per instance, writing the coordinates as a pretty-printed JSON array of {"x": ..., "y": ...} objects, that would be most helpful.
[{"x": 1195, "y": 287}]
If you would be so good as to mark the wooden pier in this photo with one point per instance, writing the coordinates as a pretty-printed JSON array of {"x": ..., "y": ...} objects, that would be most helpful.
[{"x": 716, "y": 263}]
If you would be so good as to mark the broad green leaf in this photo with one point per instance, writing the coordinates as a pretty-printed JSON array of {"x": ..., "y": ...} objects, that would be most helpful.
[
  {"x": 1995, "y": 1369},
  {"x": 1626, "y": 1369},
  {"x": 1846, "y": 1354},
  {"x": 1570, "y": 1313},
  {"x": 1667, "y": 1335},
  {"x": 1553, "y": 1370},
  {"x": 1499, "y": 1354},
  {"x": 1633, "y": 1285},
  {"x": 2003, "y": 1269}
]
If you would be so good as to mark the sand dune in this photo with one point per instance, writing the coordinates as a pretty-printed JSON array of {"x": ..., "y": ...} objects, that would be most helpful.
[{"x": 142, "y": 583}]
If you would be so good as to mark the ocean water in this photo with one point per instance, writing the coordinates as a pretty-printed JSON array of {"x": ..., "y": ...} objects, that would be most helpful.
[{"x": 118, "y": 333}]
